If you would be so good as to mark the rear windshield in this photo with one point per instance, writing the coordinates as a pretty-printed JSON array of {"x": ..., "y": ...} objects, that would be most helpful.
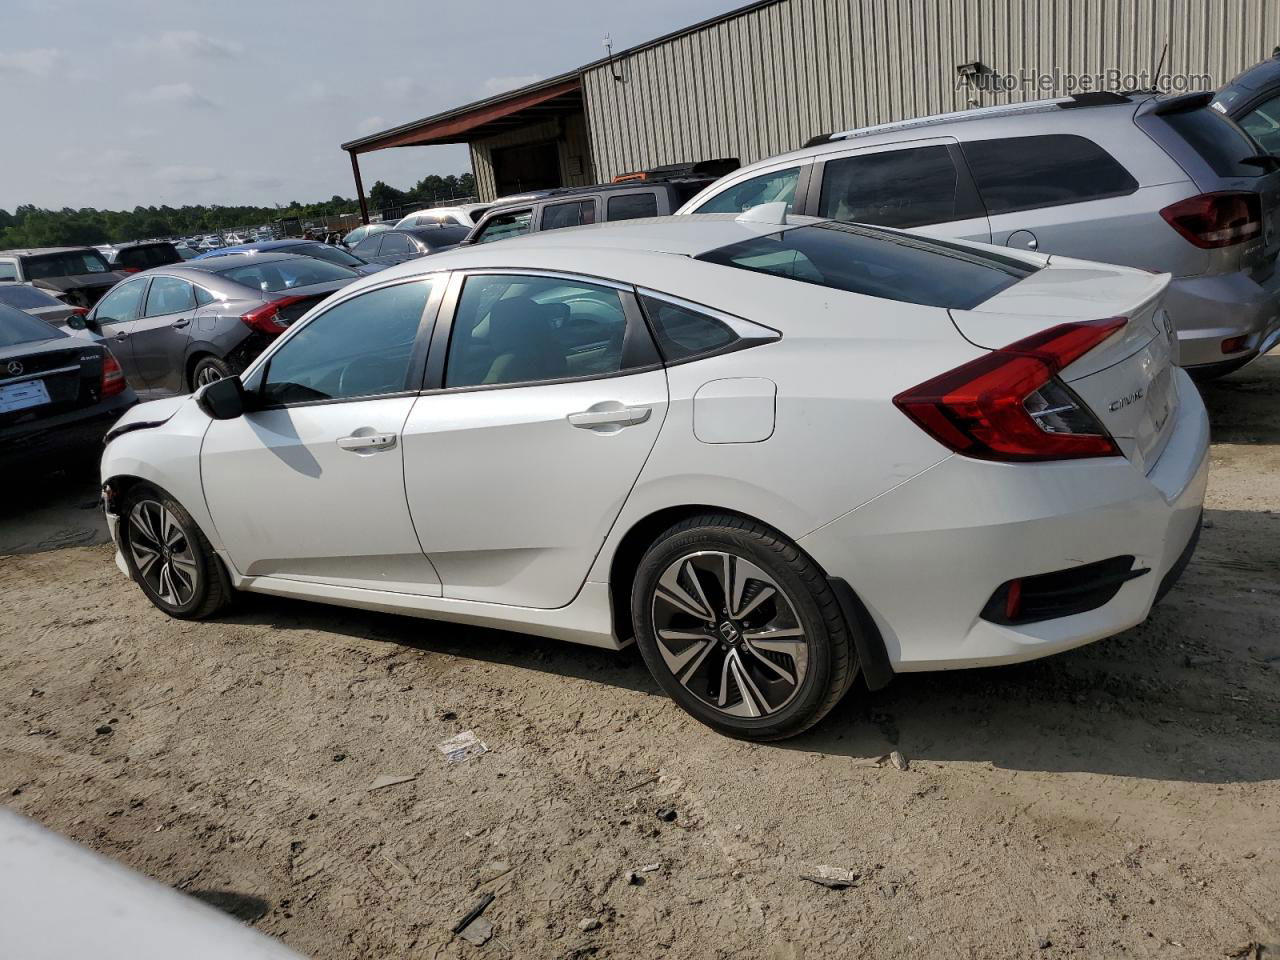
[
  {"x": 1219, "y": 141},
  {"x": 26, "y": 298},
  {"x": 276, "y": 275},
  {"x": 18, "y": 327},
  {"x": 322, "y": 251},
  {"x": 73, "y": 263},
  {"x": 877, "y": 263},
  {"x": 155, "y": 255},
  {"x": 437, "y": 237}
]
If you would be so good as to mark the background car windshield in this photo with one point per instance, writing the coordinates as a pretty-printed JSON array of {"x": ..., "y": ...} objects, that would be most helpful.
[
  {"x": 322, "y": 251},
  {"x": 276, "y": 275},
  {"x": 70, "y": 264},
  {"x": 26, "y": 298},
  {"x": 18, "y": 327},
  {"x": 877, "y": 263}
]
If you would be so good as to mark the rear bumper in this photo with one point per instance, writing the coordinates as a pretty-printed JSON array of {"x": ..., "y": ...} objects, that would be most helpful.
[
  {"x": 77, "y": 433},
  {"x": 1209, "y": 310},
  {"x": 927, "y": 556}
]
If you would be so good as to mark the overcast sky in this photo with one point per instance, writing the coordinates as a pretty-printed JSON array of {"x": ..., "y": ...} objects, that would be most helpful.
[{"x": 115, "y": 103}]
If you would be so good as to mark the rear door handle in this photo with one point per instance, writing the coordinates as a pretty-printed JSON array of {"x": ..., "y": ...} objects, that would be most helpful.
[
  {"x": 622, "y": 417},
  {"x": 371, "y": 442}
]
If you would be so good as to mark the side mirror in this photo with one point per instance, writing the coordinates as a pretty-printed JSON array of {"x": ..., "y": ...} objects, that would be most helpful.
[
  {"x": 223, "y": 399},
  {"x": 77, "y": 322}
]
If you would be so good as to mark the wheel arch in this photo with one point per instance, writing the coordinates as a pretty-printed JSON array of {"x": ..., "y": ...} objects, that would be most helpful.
[{"x": 872, "y": 655}]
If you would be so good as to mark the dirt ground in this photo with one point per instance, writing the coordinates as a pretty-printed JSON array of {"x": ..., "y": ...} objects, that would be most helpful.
[{"x": 1122, "y": 800}]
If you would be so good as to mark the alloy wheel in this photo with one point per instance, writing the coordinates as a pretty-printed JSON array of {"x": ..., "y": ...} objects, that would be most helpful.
[
  {"x": 207, "y": 374},
  {"x": 162, "y": 553},
  {"x": 729, "y": 634}
]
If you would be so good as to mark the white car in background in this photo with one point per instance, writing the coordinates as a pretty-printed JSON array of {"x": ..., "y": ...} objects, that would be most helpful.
[
  {"x": 464, "y": 215},
  {"x": 776, "y": 452}
]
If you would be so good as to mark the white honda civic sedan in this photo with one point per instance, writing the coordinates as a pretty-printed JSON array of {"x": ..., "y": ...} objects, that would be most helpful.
[{"x": 775, "y": 453}]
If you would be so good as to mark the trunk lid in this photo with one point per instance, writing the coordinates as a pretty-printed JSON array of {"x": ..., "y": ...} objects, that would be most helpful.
[
  {"x": 1127, "y": 381},
  {"x": 51, "y": 377}
]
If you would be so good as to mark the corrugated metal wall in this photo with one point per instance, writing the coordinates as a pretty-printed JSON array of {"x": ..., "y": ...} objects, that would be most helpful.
[
  {"x": 570, "y": 132},
  {"x": 764, "y": 82}
]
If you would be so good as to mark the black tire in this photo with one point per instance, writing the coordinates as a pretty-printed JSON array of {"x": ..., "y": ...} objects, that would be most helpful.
[
  {"x": 800, "y": 596},
  {"x": 208, "y": 369},
  {"x": 187, "y": 554}
]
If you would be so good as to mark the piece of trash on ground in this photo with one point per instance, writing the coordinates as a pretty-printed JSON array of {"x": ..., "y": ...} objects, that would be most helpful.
[
  {"x": 473, "y": 913},
  {"x": 834, "y": 878},
  {"x": 390, "y": 780},
  {"x": 478, "y": 931},
  {"x": 463, "y": 747}
]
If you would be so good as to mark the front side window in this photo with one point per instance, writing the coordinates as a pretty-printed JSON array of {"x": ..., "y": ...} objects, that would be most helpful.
[
  {"x": 897, "y": 188},
  {"x": 877, "y": 263},
  {"x": 122, "y": 304},
  {"x": 518, "y": 329},
  {"x": 683, "y": 332},
  {"x": 557, "y": 215},
  {"x": 1263, "y": 124},
  {"x": 1024, "y": 173},
  {"x": 632, "y": 206},
  {"x": 363, "y": 347},
  {"x": 505, "y": 225},
  {"x": 169, "y": 295},
  {"x": 774, "y": 187}
]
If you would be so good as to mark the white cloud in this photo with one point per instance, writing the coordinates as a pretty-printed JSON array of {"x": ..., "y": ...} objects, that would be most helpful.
[
  {"x": 370, "y": 124},
  {"x": 33, "y": 63},
  {"x": 503, "y": 84},
  {"x": 189, "y": 43},
  {"x": 180, "y": 94},
  {"x": 187, "y": 175}
]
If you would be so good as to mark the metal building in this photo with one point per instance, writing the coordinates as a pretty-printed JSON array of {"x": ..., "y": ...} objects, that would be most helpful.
[{"x": 763, "y": 79}]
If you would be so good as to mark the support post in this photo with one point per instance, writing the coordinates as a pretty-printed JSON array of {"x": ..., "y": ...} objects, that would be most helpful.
[{"x": 364, "y": 204}]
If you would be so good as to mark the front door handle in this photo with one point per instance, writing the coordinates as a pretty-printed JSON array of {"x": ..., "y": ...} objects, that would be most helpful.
[
  {"x": 121, "y": 335},
  {"x": 181, "y": 322},
  {"x": 615, "y": 416},
  {"x": 370, "y": 442}
]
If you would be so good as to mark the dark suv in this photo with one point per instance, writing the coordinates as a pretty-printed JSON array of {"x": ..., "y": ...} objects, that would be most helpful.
[
  {"x": 574, "y": 206},
  {"x": 77, "y": 275},
  {"x": 132, "y": 257}
]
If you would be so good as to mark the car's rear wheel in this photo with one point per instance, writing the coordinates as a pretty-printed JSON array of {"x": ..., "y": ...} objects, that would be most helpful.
[
  {"x": 209, "y": 370},
  {"x": 740, "y": 628},
  {"x": 169, "y": 557}
]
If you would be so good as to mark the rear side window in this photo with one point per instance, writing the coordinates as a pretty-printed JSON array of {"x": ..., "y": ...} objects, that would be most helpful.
[
  {"x": 168, "y": 295},
  {"x": 557, "y": 215},
  {"x": 778, "y": 185},
  {"x": 877, "y": 263},
  {"x": 899, "y": 188},
  {"x": 505, "y": 225},
  {"x": 683, "y": 332},
  {"x": 1263, "y": 124},
  {"x": 396, "y": 244},
  {"x": 632, "y": 206},
  {"x": 1219, "y": 141},
  {"x": 1023, "y": 173}
]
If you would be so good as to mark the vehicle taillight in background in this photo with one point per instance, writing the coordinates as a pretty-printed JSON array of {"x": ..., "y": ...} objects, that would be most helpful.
[
  {"x": 1010, "y": 405},
  {"x": 265, "y": 318},
  {"x": 1213, "y": 220},
  {"x": 80, "y": 311},
  {"x": 112, "y": 376}
]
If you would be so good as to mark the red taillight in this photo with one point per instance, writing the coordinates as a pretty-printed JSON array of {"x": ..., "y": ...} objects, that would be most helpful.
[
  {"x": 980, "y": 408},
  {"x": 127, "y": 269},
  {"x": 1235, "y": 344},
  {"x": 80, "y": 311},
  {"x": 263, "y": 319},
  {"x": 112, "y": 376},
  {"x": 1216, "y": 219}
]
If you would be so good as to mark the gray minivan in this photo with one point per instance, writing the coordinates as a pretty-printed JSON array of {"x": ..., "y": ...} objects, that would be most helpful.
[{"x": 1162, "y": 183}]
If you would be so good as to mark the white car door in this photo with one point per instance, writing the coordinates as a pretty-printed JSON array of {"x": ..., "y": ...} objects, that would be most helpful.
[
  {"x": 311, "y": 485},
  {"x": 919, "y": 185},
  {"x": 536, "y": 422}
]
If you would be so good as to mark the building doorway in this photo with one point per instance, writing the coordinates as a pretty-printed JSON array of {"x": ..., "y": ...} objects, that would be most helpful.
[{"x": 531, "y": 166}]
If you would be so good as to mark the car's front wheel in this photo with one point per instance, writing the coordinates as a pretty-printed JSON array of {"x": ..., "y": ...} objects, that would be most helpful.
[
  {"x": 741, "y": 628},
  {"x": 169, "y": 557}
]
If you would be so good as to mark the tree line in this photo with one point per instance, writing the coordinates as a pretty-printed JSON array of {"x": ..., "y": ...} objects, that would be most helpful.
[{"x": 32, "y": 226}]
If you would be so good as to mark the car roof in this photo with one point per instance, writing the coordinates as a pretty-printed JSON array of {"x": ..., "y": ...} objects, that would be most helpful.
[
  {"x": 256, "y": 246},
  {"x": 37, "y": 251},
  {"x": 1255, "y": 77},
  {"x": 192, "y": 269},
  {"x": 557, "y": 193}
]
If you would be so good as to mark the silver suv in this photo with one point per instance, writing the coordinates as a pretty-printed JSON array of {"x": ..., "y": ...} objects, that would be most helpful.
[{"x": 1162, "y": 183}]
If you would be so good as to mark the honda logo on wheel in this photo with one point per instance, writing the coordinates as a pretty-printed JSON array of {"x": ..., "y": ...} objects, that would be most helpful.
[{"x": 15, "y": 368}]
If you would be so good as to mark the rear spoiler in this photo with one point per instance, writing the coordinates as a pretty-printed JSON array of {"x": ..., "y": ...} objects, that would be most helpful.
[{"x": 1182, "y": 103}]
